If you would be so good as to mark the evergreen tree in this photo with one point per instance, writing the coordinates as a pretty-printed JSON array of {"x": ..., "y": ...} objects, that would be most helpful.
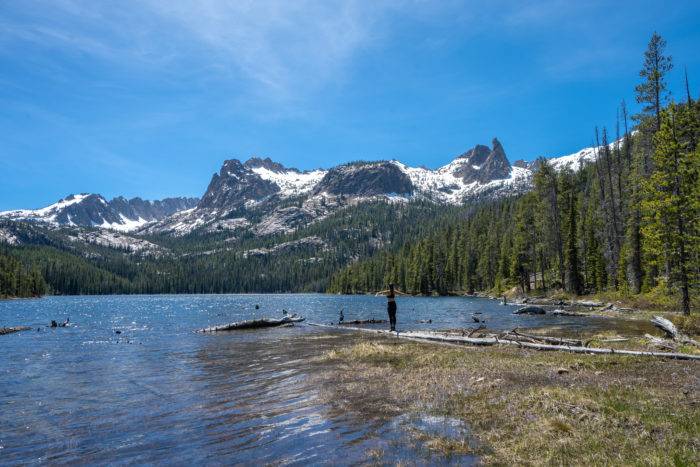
[
  {"x": 651, "y": 91},
  {"x": 671, "y": 197}
]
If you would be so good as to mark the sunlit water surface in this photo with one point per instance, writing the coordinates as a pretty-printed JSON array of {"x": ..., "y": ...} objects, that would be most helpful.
[{"x": 159, "y": 393}]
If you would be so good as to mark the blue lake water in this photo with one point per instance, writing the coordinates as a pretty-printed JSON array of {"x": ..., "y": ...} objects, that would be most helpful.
[{"x": 159, "y": 393}]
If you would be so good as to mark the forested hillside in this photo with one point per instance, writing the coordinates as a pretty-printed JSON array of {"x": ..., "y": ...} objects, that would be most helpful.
[
  {"x": 302, "y": 261},
  {"x": 629, "y": 222},
  {"x": 16, "y": 280}
]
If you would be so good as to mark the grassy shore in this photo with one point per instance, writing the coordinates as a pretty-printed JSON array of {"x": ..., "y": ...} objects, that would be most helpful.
[
  {"x": 656, "y": 300},
  {"x": 527, "y": 406}
]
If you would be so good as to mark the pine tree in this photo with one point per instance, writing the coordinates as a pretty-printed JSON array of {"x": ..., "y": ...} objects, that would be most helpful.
[
  {"x": 548, "y": 191},
  {"x": 671, "y": 194},
  {"x": 573, "y": 274},
  {"x": 652, "y": 90}
]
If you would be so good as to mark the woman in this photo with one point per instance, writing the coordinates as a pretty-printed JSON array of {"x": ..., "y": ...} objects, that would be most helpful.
[{"x": 391, "y": 303}]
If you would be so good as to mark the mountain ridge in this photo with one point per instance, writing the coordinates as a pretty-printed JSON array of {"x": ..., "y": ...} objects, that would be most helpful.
[
  {"x": 93, "y": 210},
  {"x": 267, "y": 197}
]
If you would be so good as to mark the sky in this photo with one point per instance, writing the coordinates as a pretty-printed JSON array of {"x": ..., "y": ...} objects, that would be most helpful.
[{"x": 148, "y": 98}]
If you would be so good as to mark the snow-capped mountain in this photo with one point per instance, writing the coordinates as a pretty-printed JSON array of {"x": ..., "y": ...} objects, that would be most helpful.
[
  {"x": 574, "y": 161},
  {"x": 586, "y": 155},
  {"x": 92, "y": 210},
  {"x": 264, "y": 197}
]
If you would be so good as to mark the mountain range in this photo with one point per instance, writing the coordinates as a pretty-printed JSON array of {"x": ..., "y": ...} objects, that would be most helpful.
[
  {"x": 265, "y": 197},
  {"x": 260, "y": 226}
]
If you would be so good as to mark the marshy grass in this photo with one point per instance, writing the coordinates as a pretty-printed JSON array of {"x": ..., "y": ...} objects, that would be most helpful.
[{"x": 526, "y": 406}]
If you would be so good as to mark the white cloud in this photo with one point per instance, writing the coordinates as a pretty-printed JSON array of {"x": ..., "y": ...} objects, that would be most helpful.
[{"x": 281, "y": 49}]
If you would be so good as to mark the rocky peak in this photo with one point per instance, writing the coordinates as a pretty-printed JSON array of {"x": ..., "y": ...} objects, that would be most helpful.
[
  {"x": 83, "y": 209},
  {"x": 482, "y": 164},
  {"x": 138, "y": 208},
  {"x": 477, "y": 155},
  {"x": 366, "y": 179},
  {"x": 496, "y": 166},
  {"x": 232, "y": 168},
  {"x": 267, "y": 163},
  {"x": 234, "y": 185}
]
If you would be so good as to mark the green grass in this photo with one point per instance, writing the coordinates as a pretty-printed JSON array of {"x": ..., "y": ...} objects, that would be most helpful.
[{"x": 530, "y": 407}]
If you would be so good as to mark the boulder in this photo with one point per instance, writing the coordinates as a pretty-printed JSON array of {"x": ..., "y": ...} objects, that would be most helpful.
[{"x": 530, "y": 310}]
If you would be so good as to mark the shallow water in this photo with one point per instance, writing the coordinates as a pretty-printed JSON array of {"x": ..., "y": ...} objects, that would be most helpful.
[{"x": 160, "y": 393}]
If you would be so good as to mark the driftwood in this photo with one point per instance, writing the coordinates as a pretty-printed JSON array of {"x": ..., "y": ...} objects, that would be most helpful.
[
  {"x": 566, "y": 313},
  {"x": 672, "y": 331},
  {"x": 489, "y": 341},
  {"x": 515, "y": 334},
  {"x": 661, "y": 343},
  {"x": 363, "y": 321},
  {"x": 667, "y": 326},
  {"x": 254, "y": 324},
  {"x": 11, "y": 329}
]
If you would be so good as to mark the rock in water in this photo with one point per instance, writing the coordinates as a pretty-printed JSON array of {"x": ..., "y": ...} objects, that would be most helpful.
[
  {"x": 11, "y": 329},
  {"x": 530, "y": 310}
]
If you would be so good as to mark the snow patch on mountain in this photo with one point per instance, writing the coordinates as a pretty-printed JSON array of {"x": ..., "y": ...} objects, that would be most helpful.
[
  {"x": 574, "y": 161},
  {"x": 443, "y": 185},
  {"x": 8, "y": 237},
  {"x": 311, "y": 243},
  {"x": 92, "y": 210},
  {"x": 47, "y": 213},
  {"x": 126, "y": 224},
  {"x": 586, "y": 155},
  {"x": 291, "y": 182},
  {"x": 114, "y": 240}
]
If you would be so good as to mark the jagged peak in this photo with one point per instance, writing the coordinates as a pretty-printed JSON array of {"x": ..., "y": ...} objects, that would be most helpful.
[
  {"x": 267, "y": 163},
  {"x": 476, "y": 155},
  {"x": 495, "y": 144},
  {"x": 497, "y": 151}
]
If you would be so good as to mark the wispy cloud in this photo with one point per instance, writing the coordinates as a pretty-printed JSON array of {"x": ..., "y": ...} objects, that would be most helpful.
[{"x": 281, "y": 49}]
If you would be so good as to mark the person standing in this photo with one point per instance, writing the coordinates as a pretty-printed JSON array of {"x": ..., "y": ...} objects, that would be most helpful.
[{"x": 391, "y": 303}]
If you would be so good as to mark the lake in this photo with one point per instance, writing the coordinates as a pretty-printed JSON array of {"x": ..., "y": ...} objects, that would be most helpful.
[{"x": 156, "y": 392}]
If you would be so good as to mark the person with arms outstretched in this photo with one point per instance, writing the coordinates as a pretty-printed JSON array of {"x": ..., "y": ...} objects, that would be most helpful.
[{"x": 391, "y": 303}]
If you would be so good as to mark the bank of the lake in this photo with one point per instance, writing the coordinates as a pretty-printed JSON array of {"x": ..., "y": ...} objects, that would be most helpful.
[{"x": 524, "y": 406}]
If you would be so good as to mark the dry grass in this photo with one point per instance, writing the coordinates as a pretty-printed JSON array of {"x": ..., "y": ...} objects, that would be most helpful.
[
  {"x": 689, "y": 325},
  {"x": 526, "y": 406}
]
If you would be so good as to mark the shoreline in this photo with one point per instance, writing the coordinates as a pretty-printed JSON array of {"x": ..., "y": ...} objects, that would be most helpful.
[{"x": 524, "y": 406}]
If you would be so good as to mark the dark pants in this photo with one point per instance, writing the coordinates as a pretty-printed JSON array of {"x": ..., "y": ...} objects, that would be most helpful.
[{"x": 391, "y": 308}]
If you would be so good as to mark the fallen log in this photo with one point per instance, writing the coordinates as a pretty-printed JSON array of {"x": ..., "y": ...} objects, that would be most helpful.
[
  {"x": 254, "y": 324},
  {"x": 363, "y": 321},
  {"x": 547, "y": 339},
  {"x": 661, "y": 343},
  {"x": 11, "y": 329},
  {"x": 672, "y": 331},
  {"x": 566, "y": 313},
  {"x": 489, "y": 341},
  {"x": 665, "y": 325}
]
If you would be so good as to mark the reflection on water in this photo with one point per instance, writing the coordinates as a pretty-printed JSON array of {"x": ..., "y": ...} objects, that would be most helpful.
[{"x": 156, "y": 392}]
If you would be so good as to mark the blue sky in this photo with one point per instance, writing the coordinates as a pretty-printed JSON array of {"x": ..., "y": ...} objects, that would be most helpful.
[{"x": 147, "y": 98}]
